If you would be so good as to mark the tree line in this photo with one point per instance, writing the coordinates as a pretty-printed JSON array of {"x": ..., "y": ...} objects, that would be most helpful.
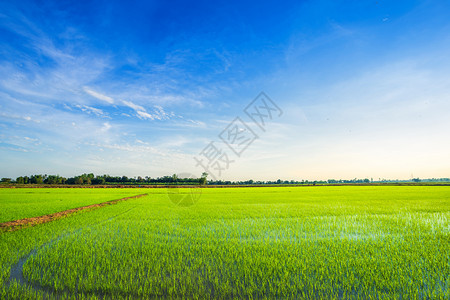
[{"x": 91, "y": 179}]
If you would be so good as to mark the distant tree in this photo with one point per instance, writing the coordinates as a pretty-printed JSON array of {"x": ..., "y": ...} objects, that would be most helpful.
[
  {"x": 53, "y": 179},
  {"x": 202, "y": 180},
  {"x": 416, "y": 179},
  {"x": 174, "y": 178},
  {"x": 20, "y": 180},
  {"x": 78, "y": 180},
  {"x": 37, "y": 179},
  {"x": 98, "y": 180},
  {"x": 86, "y": 178},
  {"x": 6, "y": 180}
]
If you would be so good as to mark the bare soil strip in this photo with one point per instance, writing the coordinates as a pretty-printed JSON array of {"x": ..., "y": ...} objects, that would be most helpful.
[
  {"x": 49, "y": 293},
  {"x": 16, "y": 224}
]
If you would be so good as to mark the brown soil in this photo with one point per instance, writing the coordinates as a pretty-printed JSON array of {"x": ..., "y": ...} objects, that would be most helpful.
[{"x": 17, "y": 224}]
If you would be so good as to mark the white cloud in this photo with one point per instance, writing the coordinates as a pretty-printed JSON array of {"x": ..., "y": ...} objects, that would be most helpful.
[
  {"x": 129, "y": 148},
  {"x": 144, "y": 115},
  {"x": 197, "y": 123},
  {"x": 90, "y": 109},
  {"x": 14, "y": 116},
  {"x": 133, "y": 106},
  {"x": 12, "y": 147},
  {"x": 30, "y": 139},
  {"x": 98, "y": 95},
  {"x": 158, "y": 113},
  {"x": 106, "y": 127}
]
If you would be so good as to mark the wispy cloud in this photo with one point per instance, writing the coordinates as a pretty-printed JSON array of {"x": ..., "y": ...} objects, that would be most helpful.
[
  {"x": 144, "y": 115},
  {"x": 12, "y": 147},
  {"x": 89, "y": 109},
  {"x": 161, "y": 114},
  {"x": 129, "y": 148},
  {"x": 133, "y": 106},
  {"x": 19, "y": 117},
  {"x": 158, "y": 112},
  {"x": 106, "y": 126},
  {"x": 98, "y": 95}
]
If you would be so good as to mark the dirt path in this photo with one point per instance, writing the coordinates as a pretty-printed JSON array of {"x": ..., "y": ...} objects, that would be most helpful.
[
  {"x": 17, "y": 275},
  {"x": 17, "y": 224}
]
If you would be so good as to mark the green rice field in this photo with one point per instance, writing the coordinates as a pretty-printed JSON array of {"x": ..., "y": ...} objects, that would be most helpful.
[
  {"x": 327, "y": 242},
  {"x": 26, "y": 203}
]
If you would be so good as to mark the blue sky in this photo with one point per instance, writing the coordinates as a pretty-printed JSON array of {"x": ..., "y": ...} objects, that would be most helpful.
[{"x": 142, "y": 88}]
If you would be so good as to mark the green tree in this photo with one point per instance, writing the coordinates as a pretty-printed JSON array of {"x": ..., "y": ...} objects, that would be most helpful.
[
  {"x": 53, "y": 179},
  {"x": 174, "y": 178},
  {"x": 37, "y": 179},
  {"x": 202, "y": 180},
  {"x": 98, "y": 180}
]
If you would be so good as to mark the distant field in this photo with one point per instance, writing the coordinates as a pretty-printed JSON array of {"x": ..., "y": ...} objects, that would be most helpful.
[
  {"x": 323, "y": 242},
  {"x": 32, "y": 202}
]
